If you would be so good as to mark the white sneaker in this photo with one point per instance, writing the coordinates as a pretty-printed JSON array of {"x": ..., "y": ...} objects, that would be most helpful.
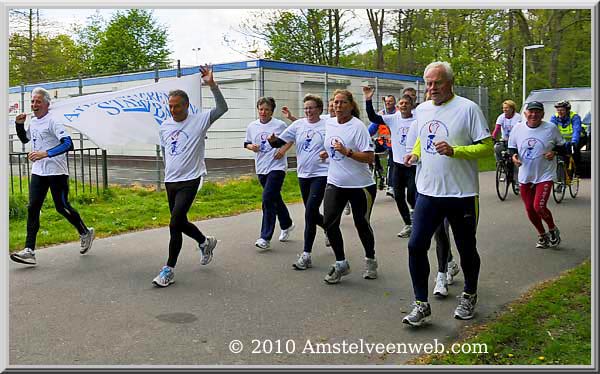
[
  {"x": 453, "y": 270},
  {"x": 347, "y": 209},
  {"x": 405, "y": 232},
  {"x": 304, "y": 262},
  {"x": 441, "y": 285},
  {"x": 285, "y": 234},
  {"x": 262, "y": 243},
  {"x": 25, "y": 256},
  {"x": 86, "y": 240}
]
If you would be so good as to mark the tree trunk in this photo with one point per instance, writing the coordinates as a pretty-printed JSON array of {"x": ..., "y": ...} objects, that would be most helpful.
[{"x": 377, "y": 29}]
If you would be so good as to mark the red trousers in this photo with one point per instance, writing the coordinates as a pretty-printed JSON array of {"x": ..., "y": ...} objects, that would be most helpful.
[{"x": 536, "y": 196}]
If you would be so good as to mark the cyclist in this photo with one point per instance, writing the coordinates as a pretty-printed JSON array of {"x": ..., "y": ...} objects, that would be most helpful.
[
  {"x": 532, "y": 147},
  {"x": 505, "y": 123},
  {"x": 571, "y": 128},
  {"x": 383, "y": 142}
]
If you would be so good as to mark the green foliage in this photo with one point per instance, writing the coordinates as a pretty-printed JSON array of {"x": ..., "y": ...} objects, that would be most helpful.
[
  {"x": 131, "y": 41},
  {"x": 17, "y": 207}
]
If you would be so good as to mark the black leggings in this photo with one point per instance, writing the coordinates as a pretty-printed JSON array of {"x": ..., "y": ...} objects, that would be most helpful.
[
  {"x": 38, "y": 189},
  {"x": 181, "y": 196},
  {"x": 313, "y": 190},
  {"x": 404, "y": 190},
  {"x": 361, "y": 200},
  {"x": 442, "y": 246}
]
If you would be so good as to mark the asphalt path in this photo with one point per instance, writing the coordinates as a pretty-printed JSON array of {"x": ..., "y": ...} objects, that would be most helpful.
[{"x": 102, "y": 309}]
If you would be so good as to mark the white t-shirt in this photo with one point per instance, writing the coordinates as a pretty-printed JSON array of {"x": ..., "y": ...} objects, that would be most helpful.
[
  {"x": 399, "y": 128},
  {"x": 257, "y": 133},
  {"x": 531, "y": 144},
  {"x": 183, "y": 143},
  {"x": 309, "y": 138},
  {"x": 345, "y": 172},
  {"x": 459, "y": 122},
  {"x": 44, "y": 133},
  {"x": 508, "y": 124}
]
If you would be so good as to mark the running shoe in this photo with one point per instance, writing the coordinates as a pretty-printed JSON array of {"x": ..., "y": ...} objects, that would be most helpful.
[
  {"x": 86, "y": 240},
  {"x": 420, "y": 314},
  {"x": 206, "y": 250},
  {"x": 25, "y": 256},
  {"x": 285, "y": 234},
  {"x": 165, "y": 278},
  {"x": 336, "y": 272},
  {"x": 466, "y": 306}
]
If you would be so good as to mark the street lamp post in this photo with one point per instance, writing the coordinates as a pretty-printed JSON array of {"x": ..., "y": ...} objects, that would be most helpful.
[
  {"x": 196, "y": 50},
  {"x": 534, "y": 46}
]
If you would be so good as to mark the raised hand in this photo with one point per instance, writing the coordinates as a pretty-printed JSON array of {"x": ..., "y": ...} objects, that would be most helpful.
[
  {"x": 206, "y": 72},
  {"x": 20, "y": 119},
  {"x": 368, "y": 92}
]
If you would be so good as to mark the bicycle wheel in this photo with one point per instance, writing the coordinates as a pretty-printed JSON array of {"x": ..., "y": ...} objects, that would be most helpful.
[
  {"x": 515, "y": 179},
  {"x": 558, "y": 188},
  {"x": 574, "y": 186},
  {"x": 501, "y": 181}
]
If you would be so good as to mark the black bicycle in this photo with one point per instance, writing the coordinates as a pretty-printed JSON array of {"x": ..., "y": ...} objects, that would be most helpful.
[
  {"x": 566, "y": 175},
  {"x": 506, "y": 176}
]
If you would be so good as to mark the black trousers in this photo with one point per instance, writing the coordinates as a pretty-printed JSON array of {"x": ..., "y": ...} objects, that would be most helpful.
[
  {"x": 361, "y": 200},
  {"x": 181, "y": 196},
  {"x": 313, "y": 190},
  {"x": 38, "y": 189}
]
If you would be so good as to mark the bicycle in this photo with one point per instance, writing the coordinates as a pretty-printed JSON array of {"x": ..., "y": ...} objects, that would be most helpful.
[
  {"x": 566, "y": 175},
  {"x": 506, "y": 173},
  {"x": 378, "y": 170}
]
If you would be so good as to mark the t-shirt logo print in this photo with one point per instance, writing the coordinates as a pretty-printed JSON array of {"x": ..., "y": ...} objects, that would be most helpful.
[
  {"x": 177, "y": 142},
  {"x": 263, "y": 143},
  {"x": 533, "y": 147},
  {"x": 37, "y": 139},
  {"x": 403, "y": 132},
  {"x": 436, "y": 131},
  {"x": 335, "y": 155},
  {"x": 311, "y": 139}
]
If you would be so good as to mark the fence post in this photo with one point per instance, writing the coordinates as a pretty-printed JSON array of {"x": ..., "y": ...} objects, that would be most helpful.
[
  {"x": 326, "y": 98},
  {"x": 104, "y": 170},
  {"x": 156, "y": 73},
  {"x": 22, "y": 97},
  {"x": 377, "y": 93},
  {"x": 261, "y": 81},
  {"x": 178, "y": 68},
  {"x": 158, "y": 167},
  {"x": 80, "y": 85}
]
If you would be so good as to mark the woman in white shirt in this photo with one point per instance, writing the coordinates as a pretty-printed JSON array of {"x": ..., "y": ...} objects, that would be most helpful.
[
  {"x": 308, "y": 134},
  {"x": 350, "y": 151},
  {"x": 271, "y": 165}
]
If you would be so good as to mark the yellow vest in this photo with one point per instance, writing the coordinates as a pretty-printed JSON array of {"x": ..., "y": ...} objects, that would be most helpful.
[{"x": 567, "y": 132}]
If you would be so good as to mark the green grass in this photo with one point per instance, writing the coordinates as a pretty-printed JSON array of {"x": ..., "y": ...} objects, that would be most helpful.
[
  {"x": 549, "y": 325},
  {"x": 487, "y": 164},
  {"x": 120, "y": 209}
]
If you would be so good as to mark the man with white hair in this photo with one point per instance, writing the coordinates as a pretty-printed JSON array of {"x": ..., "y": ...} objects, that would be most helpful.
[
  {"x": 50, "y": 144},
  {"x": 452, "y": 134}
]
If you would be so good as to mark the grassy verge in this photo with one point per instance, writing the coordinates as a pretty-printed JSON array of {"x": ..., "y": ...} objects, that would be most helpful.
[
  {"x": 487, "y": 164},
  {"x": 120, "y": 209},
  {"x": 549, "y": 325}
]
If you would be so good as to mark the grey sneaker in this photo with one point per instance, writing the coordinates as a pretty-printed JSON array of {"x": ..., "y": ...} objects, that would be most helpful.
[
  {"x": 405, "y": 232},
  {"x": 420, "y": 314},
  {"x": 543, "y": 241},
  {"x": 285, "y": 234},
  {"x": 304, "y": 262},
  {"x": 441, "y": 285},
  {"x": 262, "y": 243},
  {"x": 336, "y": 272},
  {"x": 206, "y": 250},
  {"x": 25, "y": 256},
  {"x": 453, "y": 270},
  {"x": 466, "y": 306},
  {"x": 347, "y": 209},
  {"x": 370, "y": 268},
  {"x": 86, "y": 240},
  {"x": 165, "y": 277},
  {"x": 554, "y": 237}
]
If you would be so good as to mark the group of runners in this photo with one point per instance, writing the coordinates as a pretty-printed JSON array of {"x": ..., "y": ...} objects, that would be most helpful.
[{"x": 435, "y": 146}]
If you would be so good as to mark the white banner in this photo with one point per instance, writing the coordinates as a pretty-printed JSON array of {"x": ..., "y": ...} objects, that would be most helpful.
[{"x": 132, "y": 115}]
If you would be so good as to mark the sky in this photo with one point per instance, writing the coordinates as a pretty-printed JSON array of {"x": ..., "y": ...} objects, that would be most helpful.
[{"x": 189, "y": 30}]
